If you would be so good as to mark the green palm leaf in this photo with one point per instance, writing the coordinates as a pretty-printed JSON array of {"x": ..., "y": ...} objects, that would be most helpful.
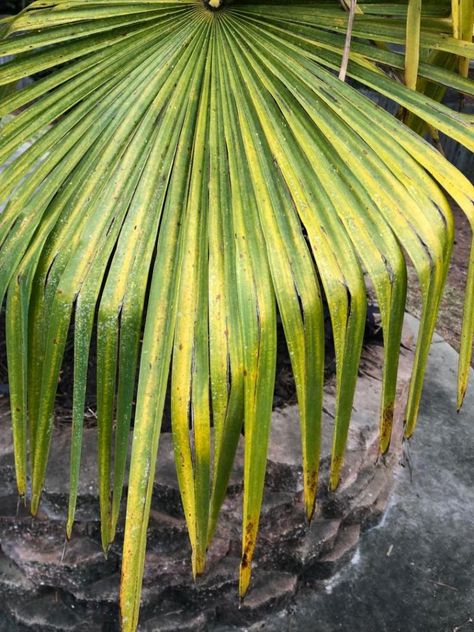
[{"x": 194, "y": 170}]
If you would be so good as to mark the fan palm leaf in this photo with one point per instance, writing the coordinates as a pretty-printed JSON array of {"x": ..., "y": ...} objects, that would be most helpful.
[{"x": 192, "y": 172}]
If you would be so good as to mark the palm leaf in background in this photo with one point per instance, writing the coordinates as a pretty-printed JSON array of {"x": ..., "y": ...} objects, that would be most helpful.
[{"x": 195, "y": 172}]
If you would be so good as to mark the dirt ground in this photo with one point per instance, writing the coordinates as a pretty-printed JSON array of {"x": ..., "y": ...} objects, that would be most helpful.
[{"x": 451, "y": 309}]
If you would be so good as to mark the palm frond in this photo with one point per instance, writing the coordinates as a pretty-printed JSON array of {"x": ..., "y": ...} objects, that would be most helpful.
[{"x": 192, "y": 174}]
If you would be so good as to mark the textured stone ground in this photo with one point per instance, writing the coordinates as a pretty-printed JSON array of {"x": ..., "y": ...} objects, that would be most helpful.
[
  {"x": 40, "y": 590},
  {"x": 413, "y": 573}
]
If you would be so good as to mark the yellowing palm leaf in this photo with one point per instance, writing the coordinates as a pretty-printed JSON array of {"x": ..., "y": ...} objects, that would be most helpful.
[{"x": 193, "y": 170}]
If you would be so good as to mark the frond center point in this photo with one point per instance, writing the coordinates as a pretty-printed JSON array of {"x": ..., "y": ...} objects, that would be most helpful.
[{"x": 213, "y": 5}]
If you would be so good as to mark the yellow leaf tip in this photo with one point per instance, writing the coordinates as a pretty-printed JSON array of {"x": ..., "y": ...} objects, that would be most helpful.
[
  {"x": 69, "y": 531},
  {"x": 408, "y": 433},
  {"x": 461, "y": 396},
  {"x": 35, "y": 501},
  {"x": 198, "y": 563},
  {"x": 310, "y": 509},
  {"x": 335, "y": 473},
  {"x": 245, "y": 576}
]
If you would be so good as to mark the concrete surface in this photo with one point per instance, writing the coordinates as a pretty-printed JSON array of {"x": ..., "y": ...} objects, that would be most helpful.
[{"x": 414, "y": 572}]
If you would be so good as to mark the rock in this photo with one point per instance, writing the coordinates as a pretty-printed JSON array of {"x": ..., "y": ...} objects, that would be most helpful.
[
  {"x": 85, "y": 584},
  {"x": 413, "y": 573},
  {"x": 171, "y": 622},
  {"x": 284, "y": 469},
  {"x": 41, "y": 559},
  {"x": 365, "y": 504},
  {"x": 105, "y": 590},
  {"x": 13, "y": 582},
  {"x": 48, "y": 614},
  {"x": 269, "y": 590},
  {"x": 318, "y": 540},
  {"x": 165, "y": 490},
  {"x": 12, "y": 510},
  {"x": 346, "y": 542},
  {"x": 6, "y": 437}
]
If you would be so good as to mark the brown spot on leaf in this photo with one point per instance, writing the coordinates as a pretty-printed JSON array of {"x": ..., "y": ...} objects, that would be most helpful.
[
  {"x": 312, "y": 480},
  {"x": 386, "y": 427}
]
